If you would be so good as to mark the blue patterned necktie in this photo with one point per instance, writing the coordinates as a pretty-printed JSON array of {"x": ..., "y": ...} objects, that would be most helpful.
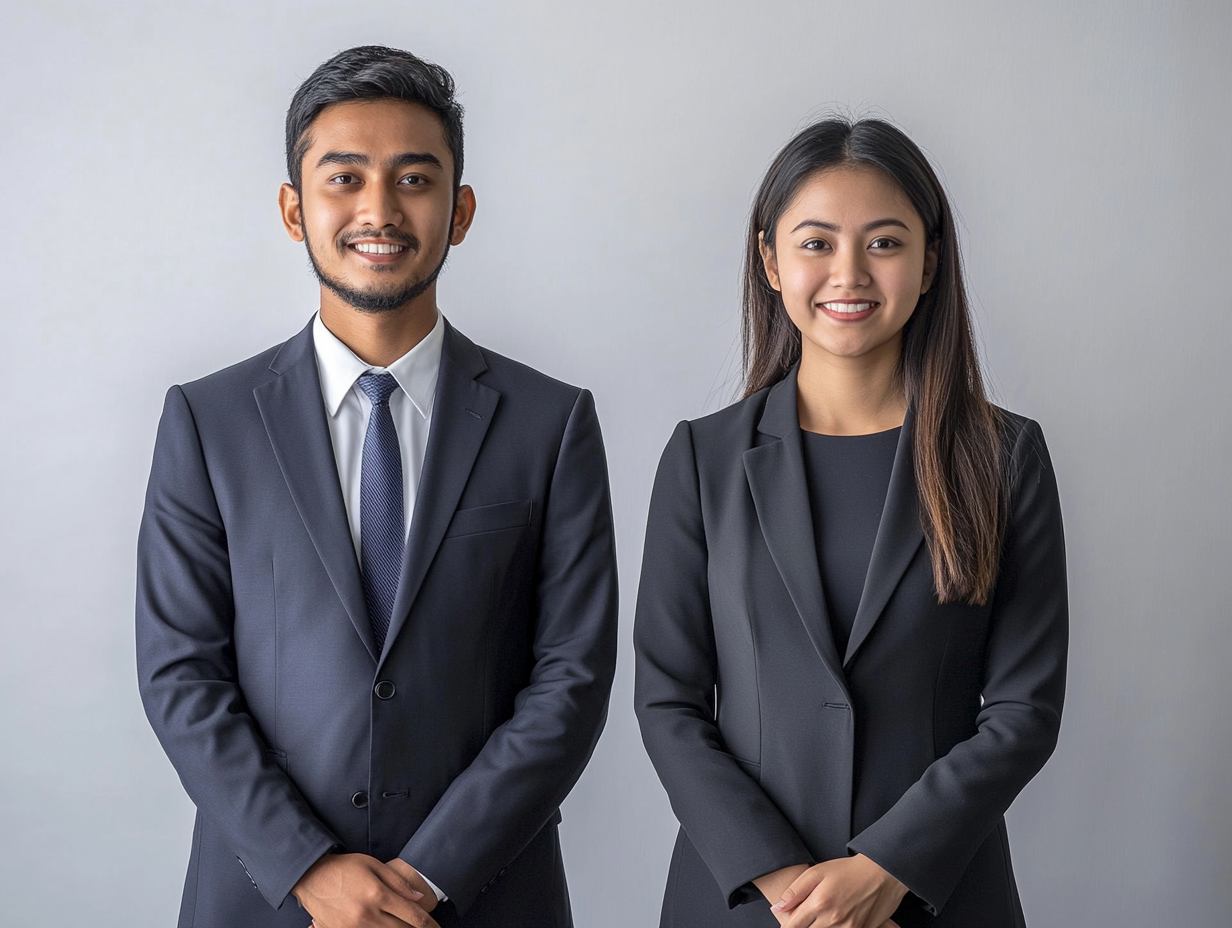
[{"x": 382, "y": 519}]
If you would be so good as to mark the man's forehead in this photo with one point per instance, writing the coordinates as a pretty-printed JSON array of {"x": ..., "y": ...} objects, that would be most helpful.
[{"x": 382, "y": 127}]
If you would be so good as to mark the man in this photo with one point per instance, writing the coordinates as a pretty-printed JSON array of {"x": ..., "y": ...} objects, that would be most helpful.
[{"x": 376, "y": 596}]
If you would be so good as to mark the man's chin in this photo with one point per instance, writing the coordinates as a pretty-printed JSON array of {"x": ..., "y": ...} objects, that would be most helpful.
[{"x": 377, "y": 299}]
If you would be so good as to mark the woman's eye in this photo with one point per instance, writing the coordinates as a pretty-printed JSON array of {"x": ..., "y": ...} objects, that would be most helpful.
[
  {"x": 816, "y": 244},
  {"x": 882, "y": 243}
]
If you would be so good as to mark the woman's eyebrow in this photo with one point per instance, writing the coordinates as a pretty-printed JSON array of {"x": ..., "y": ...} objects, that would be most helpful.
[{"x": 868, "y": 227}]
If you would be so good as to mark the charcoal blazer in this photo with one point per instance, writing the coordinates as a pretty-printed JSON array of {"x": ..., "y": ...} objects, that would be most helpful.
[
  {"x": 454, "y": 745},
  {"x": 774, "y": 748}
]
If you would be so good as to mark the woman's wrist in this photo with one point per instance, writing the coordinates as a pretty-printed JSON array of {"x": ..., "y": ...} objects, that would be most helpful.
[{"x": 773, "y": 884}]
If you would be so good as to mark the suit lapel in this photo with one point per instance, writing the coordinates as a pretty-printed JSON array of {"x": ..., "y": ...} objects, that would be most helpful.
[
  {"x": 779, "y": 486},
  {"x": 294, "y": 416},
  {"x": 898, "y": 538},
  {"x": 461, "y": 414}
]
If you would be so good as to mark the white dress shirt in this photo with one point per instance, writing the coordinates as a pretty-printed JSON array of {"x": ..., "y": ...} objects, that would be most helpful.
[{"x": 347, "y": 409}]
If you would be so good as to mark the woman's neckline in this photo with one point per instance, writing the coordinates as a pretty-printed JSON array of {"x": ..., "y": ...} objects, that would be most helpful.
[{"x": 883, "y": 432}]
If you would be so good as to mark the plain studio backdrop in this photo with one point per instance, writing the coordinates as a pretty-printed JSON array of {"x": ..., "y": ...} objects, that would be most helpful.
[{"x": 614, "y": 149}]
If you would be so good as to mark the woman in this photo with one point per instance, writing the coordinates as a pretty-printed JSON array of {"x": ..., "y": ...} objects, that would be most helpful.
[{"x": 852, "y": 621}]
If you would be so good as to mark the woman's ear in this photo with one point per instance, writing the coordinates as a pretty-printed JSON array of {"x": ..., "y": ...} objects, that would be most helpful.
[
  {"x": 931, "y": 255},
  {"x": 769, "y": 261}
]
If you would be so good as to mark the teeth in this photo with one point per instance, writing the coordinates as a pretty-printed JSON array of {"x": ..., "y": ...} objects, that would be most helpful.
[
  {"x": 851, "y": 308},
  {"x": 379, "y": 248}
]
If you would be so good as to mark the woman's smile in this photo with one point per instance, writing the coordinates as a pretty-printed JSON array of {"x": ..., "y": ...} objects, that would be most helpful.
[{"x": 848, "y": 310}]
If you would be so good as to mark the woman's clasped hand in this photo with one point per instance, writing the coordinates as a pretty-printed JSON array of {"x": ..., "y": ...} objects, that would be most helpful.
[{"x": 849, "y": 892}]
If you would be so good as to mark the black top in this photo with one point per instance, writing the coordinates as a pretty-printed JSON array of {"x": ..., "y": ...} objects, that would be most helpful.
[{"x": 848, "y": 476}]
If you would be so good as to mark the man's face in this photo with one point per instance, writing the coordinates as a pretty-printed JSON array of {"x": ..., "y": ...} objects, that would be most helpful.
[{"x": 376, "y": 205}]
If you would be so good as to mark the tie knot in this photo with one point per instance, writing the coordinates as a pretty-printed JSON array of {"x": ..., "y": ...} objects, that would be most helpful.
[{"x": 379, "y": 387}]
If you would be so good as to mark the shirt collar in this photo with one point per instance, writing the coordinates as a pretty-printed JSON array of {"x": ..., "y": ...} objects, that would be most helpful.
[{"x": 416, "y": 371}]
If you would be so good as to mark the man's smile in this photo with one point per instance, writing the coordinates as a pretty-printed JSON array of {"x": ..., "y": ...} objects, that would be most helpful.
[{"x": 378, "y": 248}]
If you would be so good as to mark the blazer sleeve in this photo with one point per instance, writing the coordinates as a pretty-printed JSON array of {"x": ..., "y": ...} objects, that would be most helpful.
[
  {"x": 930, "y": 835},
  {"x": 186, "y": 669},
  {"x": 507, "y": 794},
  {"x": 737, "y": 829}
]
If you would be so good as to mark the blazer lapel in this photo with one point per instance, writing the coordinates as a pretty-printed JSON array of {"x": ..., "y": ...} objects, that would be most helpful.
[
  {"x": 898, "y": 538},
  {"x": 779, "y": 487},
  {"x": 461, "y": 414},
  {"x": 294, "y": 416}
]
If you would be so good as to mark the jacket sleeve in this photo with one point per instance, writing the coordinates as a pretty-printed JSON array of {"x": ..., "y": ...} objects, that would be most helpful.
[
  {"x": 186, "y": 669},
  {"x": 507, "y": 794},
  {"x": 737, "y": 829},
  {"x": 930, "y": 835}
]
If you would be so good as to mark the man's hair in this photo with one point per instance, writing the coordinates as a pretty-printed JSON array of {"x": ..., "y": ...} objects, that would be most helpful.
[{"x": 373, "y": 72}]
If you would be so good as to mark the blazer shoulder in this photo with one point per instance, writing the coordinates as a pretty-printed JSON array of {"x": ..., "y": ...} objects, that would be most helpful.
[
  {"x": 524, "y": 384},
  {"x": 730, "y": 431},
  {"x": 235, "y": 380},
  {"x": 1024, "y": 450}
]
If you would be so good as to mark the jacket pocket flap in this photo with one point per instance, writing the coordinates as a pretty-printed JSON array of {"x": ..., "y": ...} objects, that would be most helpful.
[{"x": 514, "y": 514}]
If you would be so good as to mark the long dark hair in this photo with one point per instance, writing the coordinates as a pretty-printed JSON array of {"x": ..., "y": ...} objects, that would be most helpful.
[{"x": 960, "y": 472}]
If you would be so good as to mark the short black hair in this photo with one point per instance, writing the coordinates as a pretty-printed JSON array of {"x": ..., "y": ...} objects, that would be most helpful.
[{"x": 373, "y": 72}]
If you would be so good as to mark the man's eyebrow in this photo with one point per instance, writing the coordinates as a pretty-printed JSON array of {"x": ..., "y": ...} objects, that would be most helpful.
[
  {"x": 360, "y": 160},
  {"x": 344, "y": 157},
  {"x": 868, "y": 227},
  {"x": 408, "y": 158}
]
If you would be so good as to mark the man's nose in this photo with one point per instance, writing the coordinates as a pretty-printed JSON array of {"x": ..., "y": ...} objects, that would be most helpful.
[{"x": 378, "y": 206}]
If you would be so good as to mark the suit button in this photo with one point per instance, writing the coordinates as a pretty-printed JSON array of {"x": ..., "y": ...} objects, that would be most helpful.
[
  {"x": 360, "y": 799},
  {"x": 385, "y": 690}
]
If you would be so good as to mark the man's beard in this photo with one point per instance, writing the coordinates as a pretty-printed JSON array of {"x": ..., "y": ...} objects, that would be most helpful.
[{"x": 376, "y": 299}]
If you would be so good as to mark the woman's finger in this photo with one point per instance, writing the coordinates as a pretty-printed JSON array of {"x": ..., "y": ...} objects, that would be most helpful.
[{"x": 800, "y": 888}]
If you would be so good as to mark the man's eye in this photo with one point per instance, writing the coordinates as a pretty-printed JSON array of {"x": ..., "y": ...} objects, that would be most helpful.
[
  {"x": 342, "y": 179},
  {"x": 413, "y": 180}
]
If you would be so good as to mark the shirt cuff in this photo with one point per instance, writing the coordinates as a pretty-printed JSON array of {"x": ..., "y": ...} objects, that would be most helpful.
[{"x": 440, "y": 896}]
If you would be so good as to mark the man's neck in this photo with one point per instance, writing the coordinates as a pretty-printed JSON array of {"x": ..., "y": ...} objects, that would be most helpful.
[{"x": 379, "y": 338}]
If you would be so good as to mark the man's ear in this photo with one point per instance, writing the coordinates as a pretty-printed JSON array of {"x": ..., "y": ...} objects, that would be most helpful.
[
  {"x": 463, "y": 214},
  {"x": 930, "y": 266},
  {"x": 292, "y": 216},
  {"x": 769, "y": 261}
]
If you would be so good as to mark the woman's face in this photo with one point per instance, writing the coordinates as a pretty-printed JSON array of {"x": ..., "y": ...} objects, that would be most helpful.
[{"x": 850, "y": 260}]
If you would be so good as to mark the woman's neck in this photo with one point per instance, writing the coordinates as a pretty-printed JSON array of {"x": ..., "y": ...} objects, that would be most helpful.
[{"x": 850, "y": 396}]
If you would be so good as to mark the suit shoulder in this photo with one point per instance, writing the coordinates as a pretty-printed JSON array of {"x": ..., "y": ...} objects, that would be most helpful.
[
  {"x": 1017, "y": 431},
  {"x": 235, "y": 379},
  {"x": 525, "y": 383},
  {"x": 1024, "y": 451},
  {"x": 730, "y": 430}
]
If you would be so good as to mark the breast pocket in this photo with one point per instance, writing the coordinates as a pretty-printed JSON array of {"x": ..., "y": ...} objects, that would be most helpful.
[{"x": 494, "y": 518}]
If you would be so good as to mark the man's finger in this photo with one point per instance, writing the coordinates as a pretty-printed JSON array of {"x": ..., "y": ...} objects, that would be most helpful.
[
  {"x": 406, "y": 910},
  {"x": 398, "y": 883}
]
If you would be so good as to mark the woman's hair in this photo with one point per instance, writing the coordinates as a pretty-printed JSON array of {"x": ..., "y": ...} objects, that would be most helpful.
[{"x": 957, "y": 446}]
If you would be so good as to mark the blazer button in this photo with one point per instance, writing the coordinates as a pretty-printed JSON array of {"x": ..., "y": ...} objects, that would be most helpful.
[
  {"x": 385, "y": 690},
  {"x": 360, "y": 799}
]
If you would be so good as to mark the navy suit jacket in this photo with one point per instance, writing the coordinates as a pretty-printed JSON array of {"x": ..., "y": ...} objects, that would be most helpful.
[
  {"x": 776, "y": 749},
  {"x": 452, "y": 747}
]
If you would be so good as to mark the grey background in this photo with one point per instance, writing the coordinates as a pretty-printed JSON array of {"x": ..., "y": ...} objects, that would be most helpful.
[{"x": 614, "y": 149}]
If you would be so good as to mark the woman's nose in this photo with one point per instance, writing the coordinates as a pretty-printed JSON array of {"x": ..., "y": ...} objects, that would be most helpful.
[{"x": 849, "y": 268}]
